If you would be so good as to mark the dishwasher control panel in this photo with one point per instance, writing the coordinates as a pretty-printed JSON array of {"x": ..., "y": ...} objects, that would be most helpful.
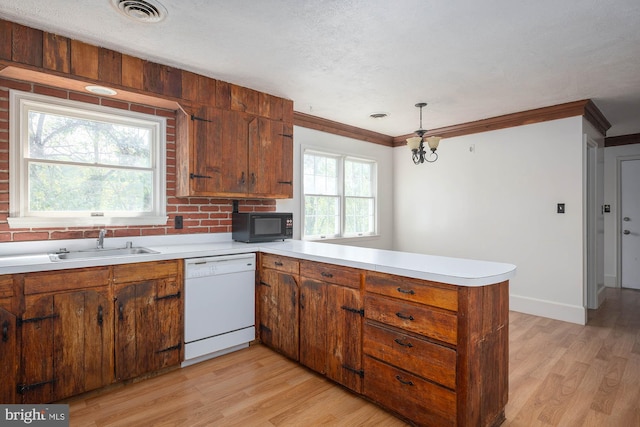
[{"x": 216, "y": 265}]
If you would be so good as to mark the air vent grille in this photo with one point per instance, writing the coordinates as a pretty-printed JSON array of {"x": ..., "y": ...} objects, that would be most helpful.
[{"x": 149, "y": 11}]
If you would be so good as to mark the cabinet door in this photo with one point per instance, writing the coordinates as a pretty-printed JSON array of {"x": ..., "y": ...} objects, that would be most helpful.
[
  {"x": 313, "y": 325},
  {"x": 134, "y": 316},
  {"x": 148, "y": 332},
  {"x": 169, "y": 308},
  {"x": 36, "y": 353},
  {"x": 67, "y": 345},
  {"x": 278, "y": 311},
  {"x": 83, "y": 342},
  {"x": 344, "y": 336},
  {"x": 270, "y": 159},
  {"x": 233, "y": 153},
  {"x": 8, "y": 357},
  {"x": 204, "y": 166}
]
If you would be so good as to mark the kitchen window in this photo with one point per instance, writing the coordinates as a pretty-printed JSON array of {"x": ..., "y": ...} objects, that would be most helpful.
[
  {"x": 77, "y": 164},
  {"x": 339, "y": 196}
]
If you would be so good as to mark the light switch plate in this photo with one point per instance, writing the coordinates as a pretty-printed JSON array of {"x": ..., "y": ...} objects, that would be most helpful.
[{"x": 560, "y": 207}]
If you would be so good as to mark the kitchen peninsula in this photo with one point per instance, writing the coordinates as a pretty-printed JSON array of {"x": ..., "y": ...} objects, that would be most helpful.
[{"x": 423, "y": 336}]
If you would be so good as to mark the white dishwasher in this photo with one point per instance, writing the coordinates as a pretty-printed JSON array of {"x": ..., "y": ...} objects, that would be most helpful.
[{"x": 219, "y": 305}]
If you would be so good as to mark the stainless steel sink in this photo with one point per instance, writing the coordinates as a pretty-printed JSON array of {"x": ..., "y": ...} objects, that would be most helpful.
[{"x": 98, "y": 253}]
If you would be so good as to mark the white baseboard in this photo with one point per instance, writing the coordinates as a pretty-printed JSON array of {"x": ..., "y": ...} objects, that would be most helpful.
[
  {"x": 550, "y": 309},
  {"x": 601, "y": 296},
  {"x": 611, "y": 281}
]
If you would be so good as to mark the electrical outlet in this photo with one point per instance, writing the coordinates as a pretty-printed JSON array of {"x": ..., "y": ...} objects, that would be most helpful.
[
  {"x": 561, "y": 208},
  {"x": 178, "y": 222}
]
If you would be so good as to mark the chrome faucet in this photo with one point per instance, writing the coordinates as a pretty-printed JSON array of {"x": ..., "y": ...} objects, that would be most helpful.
[{"x": 100, "y": 241}]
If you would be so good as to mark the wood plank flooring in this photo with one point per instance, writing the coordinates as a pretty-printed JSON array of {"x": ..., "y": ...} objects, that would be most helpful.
[{"x": 560, "y": 374}]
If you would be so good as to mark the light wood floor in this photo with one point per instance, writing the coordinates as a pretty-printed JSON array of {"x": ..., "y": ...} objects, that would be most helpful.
[{"x": 560, "y": 374}]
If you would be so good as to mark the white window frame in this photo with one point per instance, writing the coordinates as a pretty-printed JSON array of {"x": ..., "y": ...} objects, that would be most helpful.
[
  {"x": 342, "y": 157},
  {"x": 20, "y": 103}
]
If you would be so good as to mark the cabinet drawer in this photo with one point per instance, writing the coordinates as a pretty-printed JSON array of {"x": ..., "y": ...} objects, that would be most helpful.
[
  {"x": 144, "y": 271},
  {"x": 423, "y": 402},
  {"x": 421, "y": 357},
  {"x": 280, "y": 263},
  {"x": 415, "y": 290},
  {"x": 331, "y": 273},
  {"x": 424, "y": 320},
  {"x": 6, "y": 286},
  {"x": 65, "y": 280}
]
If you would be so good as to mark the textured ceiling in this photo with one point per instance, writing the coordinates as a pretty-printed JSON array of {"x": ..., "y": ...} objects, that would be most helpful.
[{"x": 345, "y": 59}]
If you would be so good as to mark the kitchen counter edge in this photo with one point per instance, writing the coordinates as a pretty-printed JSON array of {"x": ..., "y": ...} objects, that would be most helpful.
[{"x": 455, "y": 271}]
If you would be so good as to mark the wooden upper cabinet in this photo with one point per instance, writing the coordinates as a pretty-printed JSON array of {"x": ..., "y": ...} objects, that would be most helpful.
[
  {"x": 231, "y": 141},
  {"x": 229, "y": 153}
]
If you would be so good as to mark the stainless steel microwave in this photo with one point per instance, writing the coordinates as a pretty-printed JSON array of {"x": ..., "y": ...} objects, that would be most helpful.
[{"x": 261, "y": 226}]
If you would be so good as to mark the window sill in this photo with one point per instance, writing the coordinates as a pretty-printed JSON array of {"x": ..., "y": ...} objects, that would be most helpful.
[
  {"x": 342, "y": 239},
  {"x": 39, "y": 222}
]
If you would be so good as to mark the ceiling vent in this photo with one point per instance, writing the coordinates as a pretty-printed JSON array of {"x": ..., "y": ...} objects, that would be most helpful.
[{"x": 148, "y": 11}]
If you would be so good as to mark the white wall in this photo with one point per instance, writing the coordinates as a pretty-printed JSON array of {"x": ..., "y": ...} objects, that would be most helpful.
[
  {"x": 322, "y": 141},
  {"x": 611, "y": 195},
  {"x": 498, "y": 203}
]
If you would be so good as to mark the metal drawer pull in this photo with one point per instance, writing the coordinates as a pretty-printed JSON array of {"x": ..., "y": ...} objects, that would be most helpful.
[
  {"x": 23, "y": 388},
  {"x": 324, "y": 274},
  {"x": 404, "y": 291},
  {"x": 100, "y": 315},
  {"x": 171, "y": 296},
  {"x": 402, "y": 343},
  {"x": 405, "y": 382},
  {"x": 404, "y": 316},
  {"x": 278, "y": 264}
]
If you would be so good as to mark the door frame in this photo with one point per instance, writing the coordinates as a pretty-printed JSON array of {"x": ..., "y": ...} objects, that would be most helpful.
[
  {"x": 591, "y": 233},
  {"x": 619, "y": 224}
]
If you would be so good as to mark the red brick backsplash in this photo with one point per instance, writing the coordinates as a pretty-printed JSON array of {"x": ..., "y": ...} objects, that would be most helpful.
[{"x": 200, "y": 214}]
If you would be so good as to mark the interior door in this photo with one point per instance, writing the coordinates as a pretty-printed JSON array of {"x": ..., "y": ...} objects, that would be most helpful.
[{"x": 630, "y": 223}]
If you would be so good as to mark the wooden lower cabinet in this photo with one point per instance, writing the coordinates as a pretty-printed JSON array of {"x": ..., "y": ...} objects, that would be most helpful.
[
  {"x": 71, "y": 331},
  {"x": 8, "y": 341},
  {"x": 148, "y": 325},
  {"x": 432, "y": 353},
  {"x": 277, "y": 312},
  {"x": 331, "y": 328},
  {"x": 436, "y": 354},
  {"x": 411, "y": 396},
  {"x": 66, "y": 335}
]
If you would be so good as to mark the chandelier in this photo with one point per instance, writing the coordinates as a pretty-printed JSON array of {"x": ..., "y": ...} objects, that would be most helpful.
[{"x": 416, "y": 143}]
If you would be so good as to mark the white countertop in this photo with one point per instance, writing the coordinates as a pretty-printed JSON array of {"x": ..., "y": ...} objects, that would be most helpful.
[{"x": 455, "y": 271}]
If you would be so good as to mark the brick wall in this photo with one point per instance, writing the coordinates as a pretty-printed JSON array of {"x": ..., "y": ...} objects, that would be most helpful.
[{"x": 200, "y": 214}]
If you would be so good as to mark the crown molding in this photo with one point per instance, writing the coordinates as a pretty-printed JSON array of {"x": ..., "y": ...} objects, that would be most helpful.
[
  {"x": 614, "y": 141},
  {"x": 337, "y": 128},
  {"x": 584, "y": 108}
]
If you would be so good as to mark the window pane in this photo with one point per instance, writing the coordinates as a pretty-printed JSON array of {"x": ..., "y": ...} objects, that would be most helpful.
[
  {"x": 320, "y": 174},
  {"x": 59, "y": 188},
  {"x": 321, "y": 216},
  {"x": 358, "y": 178},
  {"x": 359, "y": 215},
  {"x": 71, "y": 139}
]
